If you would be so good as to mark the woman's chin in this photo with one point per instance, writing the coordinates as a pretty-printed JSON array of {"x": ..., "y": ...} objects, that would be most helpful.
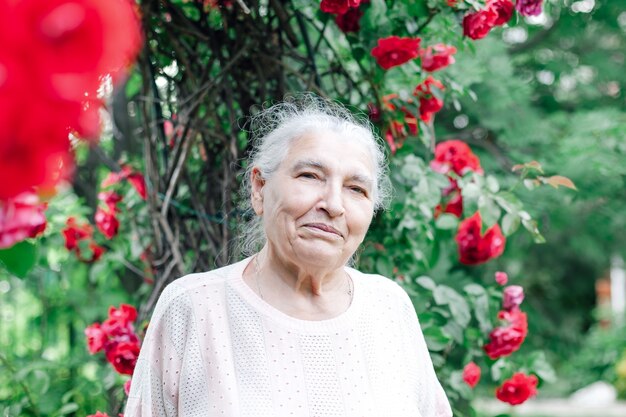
[{"x": 322, "y": 254}]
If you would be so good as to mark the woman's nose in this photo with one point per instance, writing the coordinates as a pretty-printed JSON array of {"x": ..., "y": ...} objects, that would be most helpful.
[{"x": 332, "y": 200}]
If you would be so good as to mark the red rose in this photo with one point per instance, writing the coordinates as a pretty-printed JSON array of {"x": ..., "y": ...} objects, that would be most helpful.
[
  {"x": 77, "y": 41},
  {"x": 110, "y": 198},
  {"x": 31, "y": 154},
  {"x": 96, "y": 253},
  {"x": 504, "y": 10},
  {"x": 96, "y": 338},
  {"x": 73, "y": 233},
  {"x": 478, "y": 24},
  {"x": 393, "y": 51},
  {"x": 437, "y": 57},
  {"x": 475, "y": 249},
  {"x": 98, "y": 414},
  {"x": 126, "y": 314},
  {"x": 127, "y": 386},
  {"x": 136, "y": 179},
  {"x": 453, "y": 201},
  {"x": 517, "y": 389},
  {"x": 107, "y": 223},
  {"x": 139, "y": 184},
  {"x": 529, "y": 7},
  {"x": 429, "y": 102},
  {"x": 338, "y": 6},
  {"x": 123, "y": 356},
  {"x": 20, "y": 218},
  {"x": 349, "y": 21},
  {"x": 456, "y": 156},
  {"x": 471, "y": 374},
  {"x": 507, "y": 339}
]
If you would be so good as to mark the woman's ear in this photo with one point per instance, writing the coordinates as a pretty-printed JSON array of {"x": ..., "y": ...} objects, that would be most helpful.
[{"x": 257, "y": 183}]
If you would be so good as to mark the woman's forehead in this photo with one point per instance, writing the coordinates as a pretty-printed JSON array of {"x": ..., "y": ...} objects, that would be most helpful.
[{"x": 328, "y": 150}]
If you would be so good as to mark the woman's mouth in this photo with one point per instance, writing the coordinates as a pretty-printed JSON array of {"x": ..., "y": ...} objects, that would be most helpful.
[{"x": 324, "y": 228}]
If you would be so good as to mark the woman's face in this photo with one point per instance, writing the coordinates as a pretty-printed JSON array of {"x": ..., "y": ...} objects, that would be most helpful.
[{"x": 318, "y": 205}]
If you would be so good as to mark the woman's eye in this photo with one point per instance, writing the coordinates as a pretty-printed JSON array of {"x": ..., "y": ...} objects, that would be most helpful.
[
  {"x": 358, "y": 190},
  {"x": 307, "y": 175}
]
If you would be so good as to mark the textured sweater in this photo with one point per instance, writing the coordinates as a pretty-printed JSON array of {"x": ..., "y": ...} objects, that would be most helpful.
[{"x": 214, "y": 348}]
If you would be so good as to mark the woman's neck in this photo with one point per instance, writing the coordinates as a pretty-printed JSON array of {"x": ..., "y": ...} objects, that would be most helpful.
[{"x": 302, "y": 291}]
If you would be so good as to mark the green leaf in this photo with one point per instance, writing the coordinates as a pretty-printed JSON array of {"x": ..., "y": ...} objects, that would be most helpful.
[
  {"x": 480, "y": 301},
  {"x": 133, "y": 85},
  {"x": 457, "y": 304},
  {"x": 19, "y": 258},
  {"x": 68, "y": 408},
  {"x": 510, "y": 224},
  {"x": 457, "y": 383},
  {"x": 426, "y": 282},
  {"x": 447, "y": 221},
  {"x": 436, "y": 339},
  {"x": 509, "y": 202}
]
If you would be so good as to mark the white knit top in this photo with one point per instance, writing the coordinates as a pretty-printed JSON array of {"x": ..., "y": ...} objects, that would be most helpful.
[{"x": 214, "y": 348}]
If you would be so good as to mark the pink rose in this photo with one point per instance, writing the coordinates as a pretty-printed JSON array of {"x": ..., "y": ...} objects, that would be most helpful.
[
  {"x": 96, "y": 338},
  {"x": 21, "y": 217},
  {"x": 456, "y": 156},
  {"x": 437, "y": 57},
  {"x": 529, "y": 7},
  {"x": 502, "y": 278},
  {"x": 512, "y": 297}
]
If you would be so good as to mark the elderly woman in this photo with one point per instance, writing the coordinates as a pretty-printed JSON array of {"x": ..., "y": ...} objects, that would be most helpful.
[{"x": 292, "y": 330}]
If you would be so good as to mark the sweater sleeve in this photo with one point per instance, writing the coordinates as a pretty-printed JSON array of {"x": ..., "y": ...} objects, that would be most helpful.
[
  {"x": 433, "y": 401},
  {"x": 161, "y": 381}
]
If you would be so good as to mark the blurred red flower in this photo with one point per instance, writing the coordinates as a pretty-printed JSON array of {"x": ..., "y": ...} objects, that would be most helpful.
[
  {"x": 471, "y": 374},
  {"x": 74, "y": 232},
  {"x": 519, "y": 388},
  {"x": 393, "y": 51},
  {"x": 455, "y": 156},
  {"x": 429, "y": 102},
  {"x": 504, "y": 10},
  {"x": 478, "y": 24},
  {"x": 96, "y": 338},
  {"x": 452, "y": 200},
  {"x": 106, "y": 222},
  {"x": 504, "y": 340},
  {"x": 475, "y": 248},
  {"x": 123, "y": 356},
  {"x": 338, "y": 6},
  {"x": 437, "y": 57},
  {"x": 501, "y": 278},
  {"x": 350, "y": 20},
  {"x": 21, "y": 217},
  {"x": 529, "y": 7}
]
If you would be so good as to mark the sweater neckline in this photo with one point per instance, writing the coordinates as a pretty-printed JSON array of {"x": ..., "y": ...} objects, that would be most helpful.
[{"x": 235, "y": 278}]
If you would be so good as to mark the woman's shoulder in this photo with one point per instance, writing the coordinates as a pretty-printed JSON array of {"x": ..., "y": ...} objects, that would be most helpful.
[
  {"x": 378, "y": 284},
  {"x": 207, "y": 282}
]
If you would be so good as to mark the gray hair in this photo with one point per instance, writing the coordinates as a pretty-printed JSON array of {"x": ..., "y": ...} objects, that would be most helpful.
[{"x": 272, "y": 131}]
